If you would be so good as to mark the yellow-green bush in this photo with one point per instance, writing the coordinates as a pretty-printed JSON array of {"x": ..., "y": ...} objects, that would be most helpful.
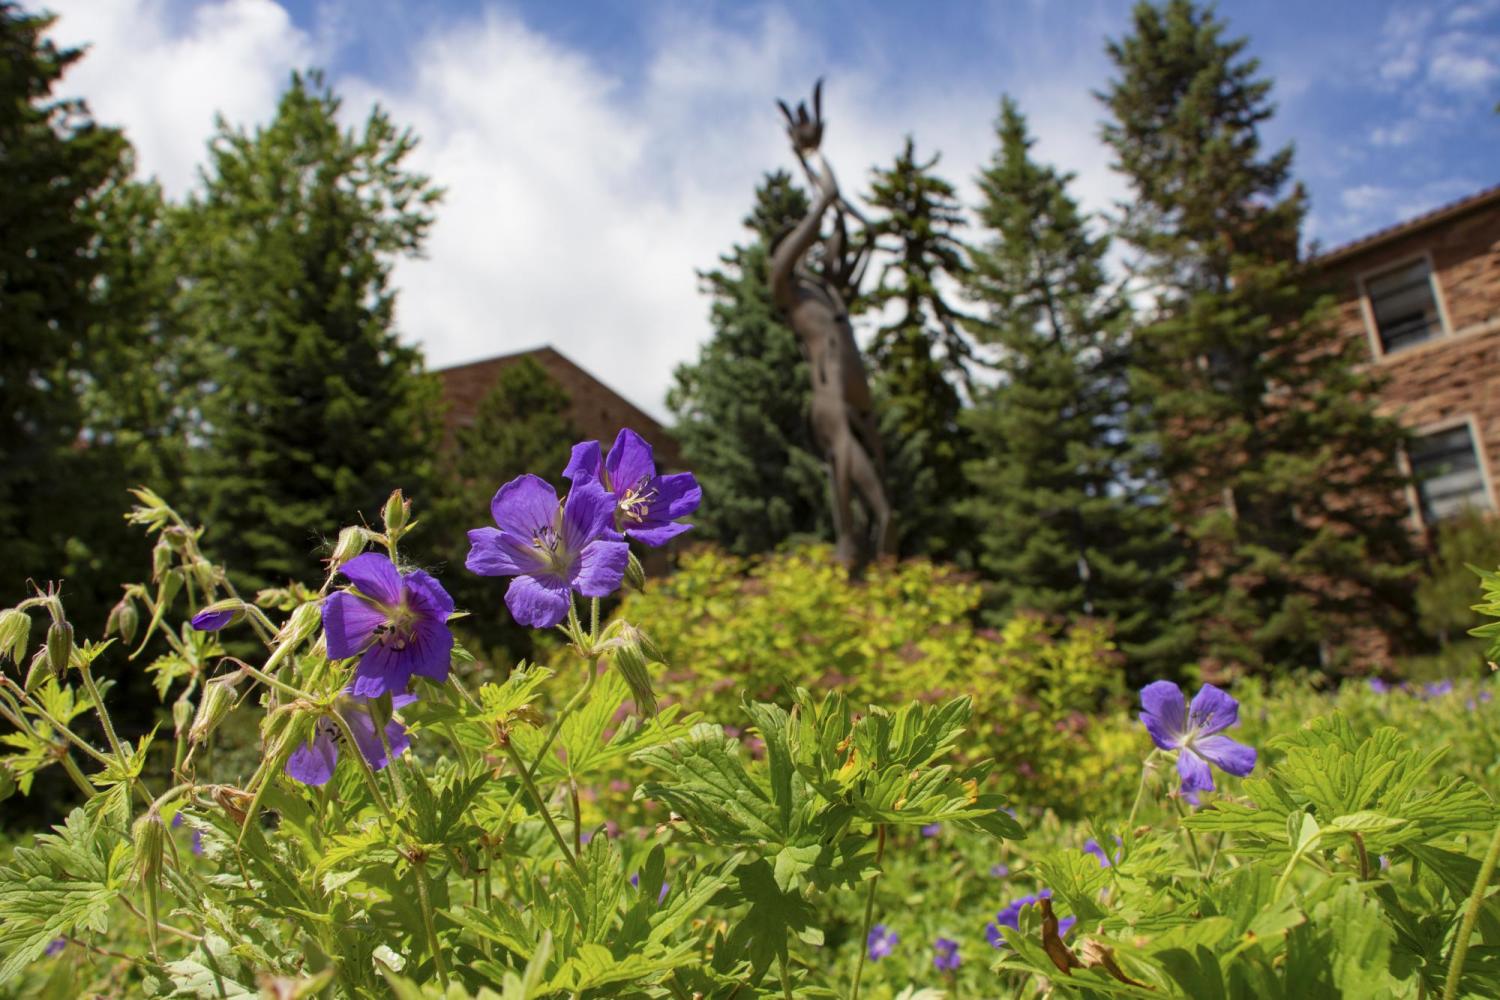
[{"x": 734, "y": 628}]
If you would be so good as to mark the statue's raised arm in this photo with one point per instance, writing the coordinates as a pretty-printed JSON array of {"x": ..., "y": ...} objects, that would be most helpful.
[{"x": 814, "y": 303}]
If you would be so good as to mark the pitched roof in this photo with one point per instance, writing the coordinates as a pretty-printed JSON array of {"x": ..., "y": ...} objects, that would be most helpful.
[
  {"x": 594, "y": 408},
  {"x": 1440, "y": 214}
]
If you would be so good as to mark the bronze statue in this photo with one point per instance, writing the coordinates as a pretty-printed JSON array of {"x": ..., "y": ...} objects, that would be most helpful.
[{"x": 811, "y": 286}]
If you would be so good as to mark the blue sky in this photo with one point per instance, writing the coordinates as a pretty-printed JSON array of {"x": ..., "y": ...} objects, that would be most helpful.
[{"x": 596, "y": 154}]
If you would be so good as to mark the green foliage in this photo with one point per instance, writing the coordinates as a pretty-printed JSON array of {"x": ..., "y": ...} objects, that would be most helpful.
[
  {"x": 315, "y": 409},
  {"x": 1069, "y": 522},
  {"x": 1443, "y": 595},
  {"x": 921, "y": 358},
  {"x": 741, "y": 409},
  {"x": 764, "y": 628},
  {"x": 1281, "y": 471}
]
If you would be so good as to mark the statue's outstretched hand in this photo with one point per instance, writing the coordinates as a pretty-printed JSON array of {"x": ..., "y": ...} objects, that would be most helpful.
[{"x": 805, "y": 131}]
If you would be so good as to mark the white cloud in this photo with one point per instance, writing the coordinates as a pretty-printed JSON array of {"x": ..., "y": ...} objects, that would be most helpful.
[
  {"x": 164, "y": 72},
  {"x": 579, "y": 205}
]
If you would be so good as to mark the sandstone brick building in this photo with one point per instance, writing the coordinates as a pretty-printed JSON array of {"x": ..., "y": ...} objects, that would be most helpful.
[
  {"x": 594, "y": 408},
  {"x": 1424, "y": 297}
]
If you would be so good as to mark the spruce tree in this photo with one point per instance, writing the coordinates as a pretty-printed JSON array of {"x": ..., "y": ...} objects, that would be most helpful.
[
  {"x": 520, "y": 426},
  {"x": 920, "y": 358},
  {"x": 1066, "y": 520},
  {"x": 316, "y": 410},
  {"x": 61, "y": 492},
  {"x": 741, "y": 409},
  {"x": 1281, "y": 471}
]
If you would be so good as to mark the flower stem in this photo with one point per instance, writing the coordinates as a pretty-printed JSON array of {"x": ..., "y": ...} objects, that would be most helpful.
[
  {"x": 99, "y": 709},
  {"x": 1147, "y": 766},
  {"x": 88, "y": 790},
  {"x": 864, "y": 937},
  {"x": 1471, "y": 914},
  {"x": 541, "y": 805},
  {"x": 364, "y": 770},
  {"x": 425, "y": 898}
]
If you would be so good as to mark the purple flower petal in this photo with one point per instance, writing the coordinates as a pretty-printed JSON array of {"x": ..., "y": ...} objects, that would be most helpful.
[
  {"x": 1196, "y": 777},
  {"x": 588, "y": 513},
  {"x": 585, "y": 463},
  {"x": 600, "y": 568},
  {"x": 525, "y": 506},
  {"x": 349, "y": 623},
  {"x": 1230, "y": 756},
  {"x": 1164, "y": 715},
  {"x": 630, "y": 463},
  {"x": 362, "y": 726},
  {"x": 198, "y": 843},
  {"x": 492, "y": 552},
  {"x": 945, "y": 957},
  {"x": 678, "y": 496},
  {"x": 660, "y": 534},
  {"x": 430, "y": 651},
  {"x": 1212, "y": 711},
  {"x": 212, "y": 621},
  {"x": 313, "y": 762},
  {"x": 55, "y": 947},
  {"x": 374, "y": 576},
  {"x": 538, "y": 601},
  {"x": 382, "y": 670}
]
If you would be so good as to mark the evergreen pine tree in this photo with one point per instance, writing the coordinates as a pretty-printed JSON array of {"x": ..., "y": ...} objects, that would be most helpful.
[
  {"x": 741, "y": 409},
  {"x": 920, "y": 359},
  {"x": 1066, "y": 520},
  {"x": 61, "y": 492},
  {"x": 521, "y": 425},
  {"x": 316, "y": 410},
  {"x": 1281, "y": 471}
]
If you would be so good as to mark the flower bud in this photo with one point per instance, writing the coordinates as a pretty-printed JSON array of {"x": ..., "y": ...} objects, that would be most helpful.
[
  {"x": 352, "y": 541},
  {"x": 182, "y": 715},
  {"x": 37, "y": 671},
  {"x": 123, "y": 620},
  {"x": 635, "y": 573},
  {"x": 149, "y": 835},
  {"x": 303, "y": 622},
  {"x": 397, "y": 513},
  {"x": 219, "y": 614},
  {"x": 15, "y": 631},
  {"x": 219, "y": 696},
  {"x": 59, "y": 647},
  {"x": 630, "y": 660},
  {"x": 161, "y": 559}
]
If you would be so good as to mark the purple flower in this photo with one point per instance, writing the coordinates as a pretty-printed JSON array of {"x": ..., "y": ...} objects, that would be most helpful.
[
  {"x": 1378, "y": 685},
  {"x": 1091, "y": 846},
  {"x": 198, "y": 843},
  {"x": 1011, "y": 917},
  {"x": 1194, "y": 732},
  {"x": 55, "y": 947},
  {"x": 396, "y": 623},
  {"x": 881, "y": 942},
  {"x": 549, "y": 550},
  {"x": 945, "y": 955},
  {"x": 661, "y": 897},
  {"x": 1437, "y": 689},
  {"x": 647, "y": 506},
  {"x": 932, "y": 829},
  {"x": 1000, "y": 870},
  {"x": 211, "y": 619},
  {"x": 313, "y": 762}
]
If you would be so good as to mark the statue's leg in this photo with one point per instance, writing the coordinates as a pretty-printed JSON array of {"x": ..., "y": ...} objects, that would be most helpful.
[
  {"x": 866, "y": 479},
  {"x": 846, "y": 546}
]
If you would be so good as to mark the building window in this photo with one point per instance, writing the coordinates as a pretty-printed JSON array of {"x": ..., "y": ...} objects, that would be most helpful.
[
  {"x": 1448, "y": 473},
  {"x": 1404, "y": 306}
]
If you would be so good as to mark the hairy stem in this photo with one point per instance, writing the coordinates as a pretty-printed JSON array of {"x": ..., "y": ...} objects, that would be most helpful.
[
  {"x": 1471, "y": 914},
  {"x": 541, "y": 805},
  {"x": 425, "y": 898},
  {"x": 864, "y": 936}
]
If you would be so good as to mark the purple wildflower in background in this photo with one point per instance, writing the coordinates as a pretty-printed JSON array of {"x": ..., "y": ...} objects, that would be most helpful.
[
  {"x": 55, "y": 947},
  {"x": 396, "y": 623},
  {"x": 209, "y": 620},
  {"x": 549, "y": 550},
  {"x": 1000, "y": 869},
  {"x": 313, "y": 762},
  {"x": 881, "y": 942},
  {"x": 1193, "y": 731},
  {"x": 661, "y": 897},
  {"x": 1378, "y": 685},
  {"x": 1484, "y": 698},
  {"x": 1011, "y": 917},
  {"x": 945, "y": 957},
  {"x": 197, "y": 841},
  {"x": 1091, "y": 846},
  {"x": 1437, "y": 689},
  {"x": 932, "y": 829},
  {"x": 647, "y": 506}
]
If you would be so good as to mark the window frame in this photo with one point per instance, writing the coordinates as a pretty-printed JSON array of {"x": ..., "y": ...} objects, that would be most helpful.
[
  {"x": 1367, "y": 305},
  {"x": 1476, "y": 441}
]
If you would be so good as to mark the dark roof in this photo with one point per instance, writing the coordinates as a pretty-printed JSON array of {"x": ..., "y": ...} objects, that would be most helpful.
[
  {"x": 594, "y": 408},
  {"x": 1440, "y": 214}
]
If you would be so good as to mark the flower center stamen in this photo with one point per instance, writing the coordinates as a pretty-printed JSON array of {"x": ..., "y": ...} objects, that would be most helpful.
[{"x": 635, "y": 505}]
